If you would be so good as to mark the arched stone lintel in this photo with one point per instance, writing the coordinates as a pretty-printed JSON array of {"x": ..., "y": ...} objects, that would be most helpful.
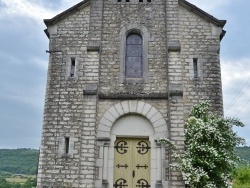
[
  {"x": 138, "y": 27},
  {"x": 131, "y": 107}
]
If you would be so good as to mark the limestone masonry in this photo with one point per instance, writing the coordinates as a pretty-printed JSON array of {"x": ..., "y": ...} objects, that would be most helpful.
[{"x": 121, "y": 74}]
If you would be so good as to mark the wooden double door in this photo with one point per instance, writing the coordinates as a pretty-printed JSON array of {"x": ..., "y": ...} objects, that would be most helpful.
[{"x": 131, "y": 163}]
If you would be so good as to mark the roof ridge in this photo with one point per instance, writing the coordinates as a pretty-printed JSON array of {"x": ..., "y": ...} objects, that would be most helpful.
[{"x": 183, "y": 3}]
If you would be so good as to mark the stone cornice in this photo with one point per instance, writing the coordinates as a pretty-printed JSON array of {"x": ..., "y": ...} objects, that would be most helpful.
[{"x": 155, "y": 95}]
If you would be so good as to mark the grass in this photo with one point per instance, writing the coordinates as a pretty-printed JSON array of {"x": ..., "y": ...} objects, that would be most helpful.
[
  {"x": 236, "y": 185},
  {"x": 20, "y": 180},
  {"x": 16, "y": 180}
]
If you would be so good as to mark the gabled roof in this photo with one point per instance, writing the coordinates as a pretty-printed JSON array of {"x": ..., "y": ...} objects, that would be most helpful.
[
  {"x": 183, "y": 3},
  {"x": 66, "y": 13},
  {"x": 202, "y": 13}
]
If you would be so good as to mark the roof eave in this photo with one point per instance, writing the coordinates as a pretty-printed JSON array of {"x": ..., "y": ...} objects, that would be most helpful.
[
  {"x": 200, "y": 12},
  {"x": 47, "y": 33},
  {"x": 65, "y": 13}
]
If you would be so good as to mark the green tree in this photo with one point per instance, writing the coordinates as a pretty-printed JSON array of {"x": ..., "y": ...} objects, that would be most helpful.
[
  {"x": 209, "y": 159},
  {"x": 243, "y": 175},
  {"x": 15, "y": 185},
  {"x": 4, "y": 174},
  {"x": 4, "y": 183},
  {"x": 19, "y": 161},
  {"x": 30, "y": 182}
]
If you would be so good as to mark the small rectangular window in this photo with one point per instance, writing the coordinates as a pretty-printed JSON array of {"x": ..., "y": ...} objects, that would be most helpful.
[
  {"x": 140, "y": 0},
  {"x": 195, "y": 64},
  {"x": 127, "y": 0},
  {"x": 149, "y": 1},
  {"x": 119, "y": 0},
  {"x": 73, "y": 67},
  {"x": 66, "y": 145}
]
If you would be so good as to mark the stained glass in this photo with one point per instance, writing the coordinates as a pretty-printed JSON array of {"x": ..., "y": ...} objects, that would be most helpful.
[{"x": 133, "y": 68}]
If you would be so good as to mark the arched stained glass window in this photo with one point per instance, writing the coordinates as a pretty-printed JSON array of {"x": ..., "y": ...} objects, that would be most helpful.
[{"x": 133, "y": 65}]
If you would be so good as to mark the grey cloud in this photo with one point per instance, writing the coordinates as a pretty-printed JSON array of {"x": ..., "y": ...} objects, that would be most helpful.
[
  {"x": 19, "y": 125},
  {"x": 23, "y": 79},
  {"x": 23, "y": 82}
]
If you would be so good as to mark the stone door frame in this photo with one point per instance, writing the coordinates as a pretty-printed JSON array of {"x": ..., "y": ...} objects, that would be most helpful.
[{"x": 105, "y": 141}]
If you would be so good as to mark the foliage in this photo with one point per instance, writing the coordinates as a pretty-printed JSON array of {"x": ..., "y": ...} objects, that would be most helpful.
[
  {"x": 5, "y": 184},
  {"x": 242, "y": 176},
  {"x": 4, "y": 174},
  {"x": 19, "y": 161},
  {"x": 209, "y": 159},
  {"x": 29, "y": 183}
]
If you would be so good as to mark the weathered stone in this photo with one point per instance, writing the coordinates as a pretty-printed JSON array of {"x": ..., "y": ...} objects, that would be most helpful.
[{"x": 83, "y": 111}]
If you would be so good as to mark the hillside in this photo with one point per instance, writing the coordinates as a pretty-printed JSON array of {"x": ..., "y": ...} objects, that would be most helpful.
[
  {"x": 243, "y": 152},
  {"x": 19, "y": 161},
  {"x": 24, "y": 161}
]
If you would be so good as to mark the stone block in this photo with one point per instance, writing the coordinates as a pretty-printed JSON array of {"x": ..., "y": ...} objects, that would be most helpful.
[
  {"x": 151, "y": 112},
  {"x": 105, "y": 122},
  {"x": 109, "y": 116},
  {"x": 114, "y": 112},
  {"x": 140, "y": 106},
  {"x": 119, "y": 108},
  {"x": 159, "y": 123},
  {"x": 132, "y": 106},
  {"x": 146, "y": 109},
  {"x": 125, "y": 106},
  {"x": 156, "y": 117}
]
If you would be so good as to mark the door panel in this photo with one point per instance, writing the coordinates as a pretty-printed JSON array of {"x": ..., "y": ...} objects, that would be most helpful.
[
  {"x": 123, "y": 153},
  {"x": 142, "y": 163},
  {"x": 132, "y": 163}
]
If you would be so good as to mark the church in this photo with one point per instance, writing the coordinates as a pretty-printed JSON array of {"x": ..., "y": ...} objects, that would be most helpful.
[{"x": 122, "y": 74}]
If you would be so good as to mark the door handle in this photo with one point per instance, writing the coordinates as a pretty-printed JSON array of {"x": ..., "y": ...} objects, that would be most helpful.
[{"x": 133, "y": 173}]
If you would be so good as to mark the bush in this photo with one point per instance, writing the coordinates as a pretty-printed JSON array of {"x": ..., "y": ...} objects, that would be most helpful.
[
  {"x": 209, "y": 159},
  {"x": 243, "y": 175}
]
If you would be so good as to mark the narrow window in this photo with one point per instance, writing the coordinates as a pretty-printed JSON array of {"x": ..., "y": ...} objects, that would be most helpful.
[
  {"x": 140, "y": 0},
  {"x": 195, "y": 62},
  {"x": 119, "y": 0},
  {"x": 149, "y": 1},
  {"x": 127, "y": 0},
  {"x": 133, "y": 64},
  {"x": 66, "y": 145},
  {"x": 73, "y": 67}
]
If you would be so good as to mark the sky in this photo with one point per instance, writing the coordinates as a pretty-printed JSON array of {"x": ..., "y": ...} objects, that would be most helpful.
[{"x": 24, "y": 63}]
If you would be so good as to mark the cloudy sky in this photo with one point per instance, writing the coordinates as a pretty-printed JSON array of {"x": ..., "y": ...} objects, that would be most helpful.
[{"x": 24, "y": 65}]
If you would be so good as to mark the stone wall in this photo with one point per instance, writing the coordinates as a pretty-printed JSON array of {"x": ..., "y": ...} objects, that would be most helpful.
[
  {"x": 118, "y": 16},
  {"x": 200, "y": 39},
  {"x": 65, "y": 108},
  {"x": 93, "y": 35}
]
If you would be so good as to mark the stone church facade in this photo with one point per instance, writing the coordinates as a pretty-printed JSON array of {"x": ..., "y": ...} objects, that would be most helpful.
[{"x": 121, "y": 74}]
